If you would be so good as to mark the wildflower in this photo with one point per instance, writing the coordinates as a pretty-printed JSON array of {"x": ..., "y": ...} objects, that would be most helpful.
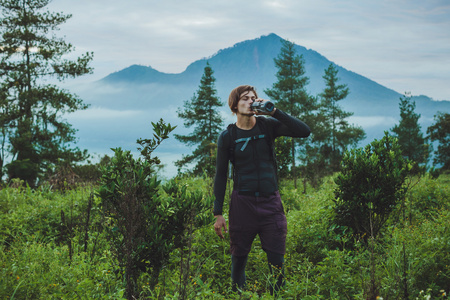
[{"x": 18, "y": 277}]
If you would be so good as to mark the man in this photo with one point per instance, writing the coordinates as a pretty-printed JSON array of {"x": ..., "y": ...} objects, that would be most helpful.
[{"x": 255, "y": 204}]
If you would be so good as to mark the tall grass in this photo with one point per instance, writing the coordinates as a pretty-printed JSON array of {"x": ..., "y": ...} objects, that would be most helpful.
[{"x": 44, "y": 257}]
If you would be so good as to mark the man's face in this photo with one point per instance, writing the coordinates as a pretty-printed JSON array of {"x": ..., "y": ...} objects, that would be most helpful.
[{"x": 245, "y": 101}]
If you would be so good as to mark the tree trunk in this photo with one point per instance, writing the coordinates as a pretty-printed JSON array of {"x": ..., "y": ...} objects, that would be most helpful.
[{"x": 294, "y": 175}]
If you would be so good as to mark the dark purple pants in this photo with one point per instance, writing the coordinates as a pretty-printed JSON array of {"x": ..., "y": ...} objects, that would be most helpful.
[{"x": 250, "y": 216}]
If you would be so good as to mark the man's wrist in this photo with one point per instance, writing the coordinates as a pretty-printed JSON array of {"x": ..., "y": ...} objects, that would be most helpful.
[{"x": 275, "y": 112}]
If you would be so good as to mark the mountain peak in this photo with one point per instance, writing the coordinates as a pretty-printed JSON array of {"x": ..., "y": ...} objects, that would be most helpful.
[
  {"x": 136, "y": 74},
  {"x": 271, "y": 36}
]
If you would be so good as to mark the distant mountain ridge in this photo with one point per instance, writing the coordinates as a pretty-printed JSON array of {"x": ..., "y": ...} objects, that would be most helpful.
[{"x": 251, "y": 62}]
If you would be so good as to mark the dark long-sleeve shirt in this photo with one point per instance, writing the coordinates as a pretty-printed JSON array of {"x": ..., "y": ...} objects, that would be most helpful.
[{"x": 254, "y": 166}]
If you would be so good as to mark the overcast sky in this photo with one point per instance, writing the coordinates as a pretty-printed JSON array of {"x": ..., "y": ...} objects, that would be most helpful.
[{"x": 401, "y": 44}]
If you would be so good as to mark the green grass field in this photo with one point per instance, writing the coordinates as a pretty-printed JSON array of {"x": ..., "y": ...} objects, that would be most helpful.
[{"x": 53, "y": 246}]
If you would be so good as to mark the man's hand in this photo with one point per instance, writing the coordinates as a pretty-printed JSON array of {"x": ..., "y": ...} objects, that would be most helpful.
[
  {"x": 220, "y": 223},
  {"x": 264, "y": 113}
]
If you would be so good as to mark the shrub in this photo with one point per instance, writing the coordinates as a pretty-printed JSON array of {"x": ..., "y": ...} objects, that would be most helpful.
[
  {"x": 370, "y": 185},
  {"x": 145, "y": 225}
]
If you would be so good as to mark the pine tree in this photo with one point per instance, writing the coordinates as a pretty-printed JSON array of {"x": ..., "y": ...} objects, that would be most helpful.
[
  {"x": 289, "y": 92},
  {"x": 335, "y": 134},
  {"x": 412, "y": 142},
  {"x": 201, "y": 112},
  {"x": 29, "y": 54},
  {"x": 440, "y": 132}
]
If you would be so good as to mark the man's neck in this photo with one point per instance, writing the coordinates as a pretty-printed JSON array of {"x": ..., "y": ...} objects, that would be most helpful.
[{"x": 245, "y": 122}]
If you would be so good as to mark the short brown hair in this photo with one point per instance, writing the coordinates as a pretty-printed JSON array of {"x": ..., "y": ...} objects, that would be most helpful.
[{"x": 235, "y": 95}]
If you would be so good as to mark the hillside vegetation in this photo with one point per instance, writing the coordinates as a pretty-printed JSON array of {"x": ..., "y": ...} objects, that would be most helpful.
[{"x": 53, "y": 245}]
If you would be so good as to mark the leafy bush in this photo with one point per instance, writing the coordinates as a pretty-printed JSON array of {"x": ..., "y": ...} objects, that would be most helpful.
[
  {"x": 145, "y": 225},
  {"x": 371, "y": 183}
]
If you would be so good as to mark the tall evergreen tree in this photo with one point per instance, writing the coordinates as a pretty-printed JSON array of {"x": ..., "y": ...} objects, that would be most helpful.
[
  {"x": 410, "y": 137},
  {"x": 201, "y": 112},
  {"x": 335, "y": 134},
  {"x": 289, "y": 92},
  {"x": 38, "y": 137},
  {"x": 440, "y": 132}
]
